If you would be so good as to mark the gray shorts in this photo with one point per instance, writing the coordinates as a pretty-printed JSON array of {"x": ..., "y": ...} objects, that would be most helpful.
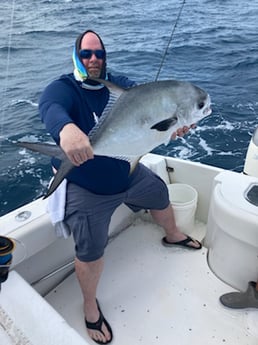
[{"x": 88, "y": 215}]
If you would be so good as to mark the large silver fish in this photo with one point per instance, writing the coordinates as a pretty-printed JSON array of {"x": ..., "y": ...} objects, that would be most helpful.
[{"x": 135, "y": 121}]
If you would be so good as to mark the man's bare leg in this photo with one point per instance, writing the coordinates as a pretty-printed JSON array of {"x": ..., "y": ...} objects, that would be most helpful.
[
  {"x": 88, "y": 274},
  {"x": 166, "y": 219}
]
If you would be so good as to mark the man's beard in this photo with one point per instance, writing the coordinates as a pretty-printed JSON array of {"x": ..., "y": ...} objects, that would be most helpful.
[{"x": 95, "y": 73}]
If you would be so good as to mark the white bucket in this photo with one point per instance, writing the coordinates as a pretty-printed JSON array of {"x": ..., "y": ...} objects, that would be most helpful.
[{"x": 183, "y": 199}]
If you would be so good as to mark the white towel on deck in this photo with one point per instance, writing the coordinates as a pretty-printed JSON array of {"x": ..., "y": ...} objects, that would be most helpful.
[{"x": 56, "y": 210}]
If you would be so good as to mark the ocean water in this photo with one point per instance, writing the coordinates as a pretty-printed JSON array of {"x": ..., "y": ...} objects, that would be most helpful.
[{"x": 214, "y": 45}]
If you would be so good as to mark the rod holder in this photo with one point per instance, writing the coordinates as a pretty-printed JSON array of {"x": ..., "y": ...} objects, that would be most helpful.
[{"x": 7, "y": 247}]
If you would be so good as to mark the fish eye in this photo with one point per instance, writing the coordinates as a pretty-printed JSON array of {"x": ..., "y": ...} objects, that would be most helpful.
[{"x": 200, "y": 105}]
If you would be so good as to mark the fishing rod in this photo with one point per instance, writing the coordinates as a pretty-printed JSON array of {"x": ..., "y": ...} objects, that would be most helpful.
[
  {"x": 5, "y": 87},
  {"x": 170, "y": 39}
]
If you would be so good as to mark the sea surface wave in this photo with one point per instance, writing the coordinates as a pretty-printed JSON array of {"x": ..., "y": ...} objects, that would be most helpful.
[{"x": 214, "y": 45}]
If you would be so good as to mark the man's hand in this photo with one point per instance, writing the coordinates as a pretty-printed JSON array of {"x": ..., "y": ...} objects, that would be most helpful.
[
  {"x": 182, "y": 131},
  {"x": 75, "y": 144}
]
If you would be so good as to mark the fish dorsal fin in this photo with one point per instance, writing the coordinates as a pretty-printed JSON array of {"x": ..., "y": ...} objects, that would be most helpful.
[
  {"x": 48, "y": 149},
  {"x": 115, "y": 92},
  {"x": 113, "y": 88}
]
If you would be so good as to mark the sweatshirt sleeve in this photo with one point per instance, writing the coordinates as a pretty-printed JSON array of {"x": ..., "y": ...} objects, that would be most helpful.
[{"x": 55, "y": 105}]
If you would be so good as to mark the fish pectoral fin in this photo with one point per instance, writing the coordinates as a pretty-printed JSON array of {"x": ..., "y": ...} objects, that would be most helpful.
[
  {"x": 164, "y": 125},
  {"x": 65, "y": 167},
  {"x": 113, "y": 88}
]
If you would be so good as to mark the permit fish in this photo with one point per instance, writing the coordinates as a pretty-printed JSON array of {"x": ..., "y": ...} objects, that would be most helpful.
[{"x": 135, "y": 121}]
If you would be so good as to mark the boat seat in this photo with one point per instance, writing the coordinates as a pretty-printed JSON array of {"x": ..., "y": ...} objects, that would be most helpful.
[{"x": 26, "y": 318}]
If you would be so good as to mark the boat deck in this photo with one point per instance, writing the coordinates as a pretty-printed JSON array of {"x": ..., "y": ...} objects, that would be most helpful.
[{"x": 151, "y": 294}]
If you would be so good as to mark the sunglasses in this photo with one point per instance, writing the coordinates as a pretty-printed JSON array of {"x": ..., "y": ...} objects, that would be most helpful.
[{"x": 87, "y": 53}]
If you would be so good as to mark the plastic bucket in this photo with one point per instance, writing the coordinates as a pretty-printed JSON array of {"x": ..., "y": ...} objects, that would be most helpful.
[{"x": 183, "y": 199}]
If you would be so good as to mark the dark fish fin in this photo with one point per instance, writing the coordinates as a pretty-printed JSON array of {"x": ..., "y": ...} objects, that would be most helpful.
[
  {"x": 65, "y": 168},
  {"x": 51, "y": 150},
  {"x": 164, "y": 125}
]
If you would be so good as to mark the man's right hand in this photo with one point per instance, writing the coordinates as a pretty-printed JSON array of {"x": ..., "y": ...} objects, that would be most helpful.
[{"x": 76, "y": 145}]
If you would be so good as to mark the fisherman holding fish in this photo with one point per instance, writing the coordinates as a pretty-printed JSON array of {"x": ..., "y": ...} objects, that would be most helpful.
[{"x": 98, "y": 179}]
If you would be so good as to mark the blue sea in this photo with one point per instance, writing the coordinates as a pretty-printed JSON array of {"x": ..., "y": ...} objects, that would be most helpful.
[{"x": 214, "y": 44}]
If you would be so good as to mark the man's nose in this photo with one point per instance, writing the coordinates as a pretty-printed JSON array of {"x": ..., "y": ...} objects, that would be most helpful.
[{"x": 93, "y": 56}]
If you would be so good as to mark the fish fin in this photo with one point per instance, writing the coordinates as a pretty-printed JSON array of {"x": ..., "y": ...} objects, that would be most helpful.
[
  {"x": 113, "y": 88},
  {"x": 164, "y": 125},
  {"x": 47, "y": 149},
  {"x": 134, "y": 164},
  {"x": 129, "y": 159},
  {"x": 132, "y": 160},
  {"x": 65, "y": 167},
  {"x": 51, "y": 150}
]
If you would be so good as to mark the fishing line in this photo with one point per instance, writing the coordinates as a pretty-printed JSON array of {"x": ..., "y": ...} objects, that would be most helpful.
[
  {"x": 170, "y": 39},
  {"x": 6, "y": 78}
]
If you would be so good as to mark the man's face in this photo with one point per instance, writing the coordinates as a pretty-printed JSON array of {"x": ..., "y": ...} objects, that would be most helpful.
[{"x": 92, "y": 64}]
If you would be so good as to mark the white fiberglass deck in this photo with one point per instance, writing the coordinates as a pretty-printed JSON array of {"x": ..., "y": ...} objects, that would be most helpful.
[{"x": 151, "y": 294}]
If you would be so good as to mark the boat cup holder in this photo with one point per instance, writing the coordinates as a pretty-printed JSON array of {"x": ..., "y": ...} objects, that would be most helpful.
[
  {"x": 251, "y": 194},
  {"x": 11, "y": 252}
]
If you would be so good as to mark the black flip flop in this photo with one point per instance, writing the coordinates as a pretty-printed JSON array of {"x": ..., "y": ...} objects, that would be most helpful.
[
  {"x": 97, "y": 326},
  {"x": 183, "y": 243}
]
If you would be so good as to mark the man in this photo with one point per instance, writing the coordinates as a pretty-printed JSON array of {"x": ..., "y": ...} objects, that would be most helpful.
[{"x": 70, "y": 107}]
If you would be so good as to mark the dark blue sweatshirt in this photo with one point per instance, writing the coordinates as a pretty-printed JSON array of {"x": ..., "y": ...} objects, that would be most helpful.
[{"x": 66, "y": 101}]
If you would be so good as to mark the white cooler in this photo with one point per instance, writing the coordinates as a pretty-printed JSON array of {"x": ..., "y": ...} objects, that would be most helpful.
[{"x": 232, "y": 229}]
